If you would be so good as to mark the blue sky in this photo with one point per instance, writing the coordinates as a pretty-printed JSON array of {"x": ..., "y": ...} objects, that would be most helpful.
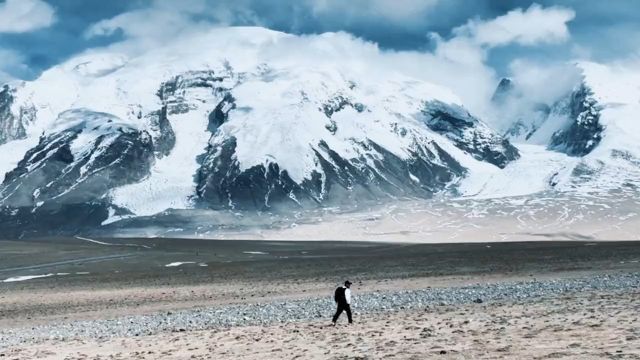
[{"x": 42, "y": 33}]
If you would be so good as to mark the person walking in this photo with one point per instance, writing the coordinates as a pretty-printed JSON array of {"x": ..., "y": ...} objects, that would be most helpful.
[{"x": 342, "y": 296}]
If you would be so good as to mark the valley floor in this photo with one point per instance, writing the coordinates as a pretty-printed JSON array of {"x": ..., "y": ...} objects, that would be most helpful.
[
  {"x": 480, "y": 216},
  {"x": 182, "y": 299},
  {"x": 573, "y": 326}
]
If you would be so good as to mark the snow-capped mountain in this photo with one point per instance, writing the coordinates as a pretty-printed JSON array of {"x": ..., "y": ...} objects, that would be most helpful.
[
  {"x": 259, "y": 120},
  {"x": 588, "y": 140},
  {"x": 570, "y": 125},
  {"x": 235, "y": 124}
]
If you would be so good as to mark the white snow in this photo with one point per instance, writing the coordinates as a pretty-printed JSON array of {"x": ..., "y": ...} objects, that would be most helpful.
[
  {"x": 110, "y": 244},
  {"x": 278, "y": 119},
  {"x": 171, "y": 184},
  {"x": 12, "y": 152},
  {"x": 30, "y": 277},
  {"x": 617, "y": 89},
  {"x": 26, "y": 277},
  {"x": 280, "y": 83},
  {"x": 530, "y": 174},
  {"x": 179, "y": 263},
  {"x": 93, "y": 241}
]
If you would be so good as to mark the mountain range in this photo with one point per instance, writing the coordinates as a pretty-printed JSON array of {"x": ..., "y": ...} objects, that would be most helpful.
[{"x": 108, "y": 137}]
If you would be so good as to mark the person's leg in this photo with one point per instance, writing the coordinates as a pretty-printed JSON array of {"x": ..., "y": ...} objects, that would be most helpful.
[
  {"x": 348, "y": 310},
  {"x": 338, "y": 312}
]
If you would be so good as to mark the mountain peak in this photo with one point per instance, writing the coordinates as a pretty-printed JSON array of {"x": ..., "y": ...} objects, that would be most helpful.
[
  {"x": 257, "y": 126},
  {"x": 503, "y": 90}
]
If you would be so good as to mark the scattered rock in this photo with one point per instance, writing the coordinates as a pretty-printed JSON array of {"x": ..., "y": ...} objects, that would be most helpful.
[{"x": 228, "y": 316}]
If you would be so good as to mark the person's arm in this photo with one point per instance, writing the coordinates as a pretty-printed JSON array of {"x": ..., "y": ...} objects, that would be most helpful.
[{"x": 347, "y": 295}]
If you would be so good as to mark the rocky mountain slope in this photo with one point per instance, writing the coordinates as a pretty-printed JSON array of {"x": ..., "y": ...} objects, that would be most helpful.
[
  {"x": 586, "y": 141},
  {"x": 105, "y": 136}
]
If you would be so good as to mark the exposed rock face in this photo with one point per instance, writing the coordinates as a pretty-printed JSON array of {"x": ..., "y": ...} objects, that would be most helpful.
[
  {"x": 584, "y": 132},
  {"x": 571, "y": 124},
  {"x": 375, "y": 173},
  {"x": 335, "y": 105},
  {"x": 12, "y": 127},
  {"x": 177, "y": 98},
  {"x": 468, "y": 133},
  {"x": 52, "y": 219},
  {"x": 527, "y": 122},
  {"x": 503, "y": 91},
  {"x": 222, "y": 184},
  {"x": 174, "y": 92},
  {"x": 78, "y": 164},
  {"x": 220, "y": 114},
  {"x": 164, "y": 138},
  {"x": 339, "y": 103}
]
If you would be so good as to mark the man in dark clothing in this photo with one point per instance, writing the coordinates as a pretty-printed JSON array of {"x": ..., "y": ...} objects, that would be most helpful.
[{"x": 342, "y": 297}]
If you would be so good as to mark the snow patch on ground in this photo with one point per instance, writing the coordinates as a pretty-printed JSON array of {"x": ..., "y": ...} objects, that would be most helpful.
[
  {"x": 179, "y": 263},
  {"x": 31, "y": 277}
]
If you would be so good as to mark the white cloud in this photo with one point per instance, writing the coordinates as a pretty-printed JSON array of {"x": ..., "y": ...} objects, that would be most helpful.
[
  {"x": 458, "y": 63},
  {"x": 467, "y": 51},
  {"x": 17, "y": 16},
  {"x": 154, "y": 21},
  {"x": 399, "y": 12},
  {"x": 533, "y": 26},
  {"x": 12, "y": 62},
  {"x": 10, "y": 58},
  {"x": 5, "y": 78},
  {"x": 543, "y": 82},
  {"x": 167, "y": 19},
  {"x": 142, "y": 24}
]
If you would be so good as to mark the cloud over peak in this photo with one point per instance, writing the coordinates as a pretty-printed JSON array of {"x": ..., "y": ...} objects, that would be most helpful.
[
  {"x": 18, "y": 16},
  {"x": 532, "y": 26},
  {"x": 403, "y": 12}
]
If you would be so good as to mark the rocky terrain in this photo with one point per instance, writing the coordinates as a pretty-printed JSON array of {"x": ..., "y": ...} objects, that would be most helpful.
[
  {"x": 538, "y": 318},
  {"x": 127, "y": 298},
  {"x": 310, "y": 309}
]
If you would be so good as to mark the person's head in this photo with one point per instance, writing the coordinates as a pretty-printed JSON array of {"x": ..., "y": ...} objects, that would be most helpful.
[{"x": 347, "y": 284}]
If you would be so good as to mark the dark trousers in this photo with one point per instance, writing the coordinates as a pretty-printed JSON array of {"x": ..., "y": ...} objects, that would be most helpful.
[{"x": 343, "y": 307}]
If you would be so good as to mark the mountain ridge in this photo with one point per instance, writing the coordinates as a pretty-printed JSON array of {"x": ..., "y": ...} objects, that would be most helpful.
[
  {"x": 106, "y": 137},
  {"x": 135, "y": 136}
]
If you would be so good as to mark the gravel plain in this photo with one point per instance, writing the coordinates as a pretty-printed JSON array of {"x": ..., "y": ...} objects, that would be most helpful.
[
  {"x": 263, "y": 299},
  {"x": 264, "y": 314}
]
